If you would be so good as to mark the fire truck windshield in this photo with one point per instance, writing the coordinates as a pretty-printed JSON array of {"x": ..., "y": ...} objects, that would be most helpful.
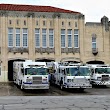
[
  {"x": 72, "y": 71},
  {"x": 36, "y": 71},
  {"x": 81, "y": 71},
  {"x": 107, "y": 70},
  {"x": 102, "y": 70},
  {"x": 84, "y": 71}
]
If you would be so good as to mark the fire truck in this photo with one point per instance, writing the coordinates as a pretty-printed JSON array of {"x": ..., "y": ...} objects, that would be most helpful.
[
  {"x": 72, "y": 76},
  {"x": 30, "y": 75},
  {"x": 100, "y": 74}
]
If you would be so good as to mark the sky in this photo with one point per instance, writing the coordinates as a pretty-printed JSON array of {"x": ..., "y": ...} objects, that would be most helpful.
[{"x": 93, "y": 10}]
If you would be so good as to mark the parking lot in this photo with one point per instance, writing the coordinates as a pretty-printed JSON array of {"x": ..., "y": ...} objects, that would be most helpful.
[{"x": 9, "y": 89}]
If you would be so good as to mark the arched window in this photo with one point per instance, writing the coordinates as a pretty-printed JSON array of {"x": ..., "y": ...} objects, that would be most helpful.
[{"x": 94, "y": 43}]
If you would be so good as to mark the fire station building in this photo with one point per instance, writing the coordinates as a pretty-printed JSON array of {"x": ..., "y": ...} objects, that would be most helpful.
[{"x": 45, "y": 33}]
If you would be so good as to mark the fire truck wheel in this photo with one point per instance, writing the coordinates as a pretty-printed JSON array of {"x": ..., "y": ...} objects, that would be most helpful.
[{"x": 81, "y": 89}]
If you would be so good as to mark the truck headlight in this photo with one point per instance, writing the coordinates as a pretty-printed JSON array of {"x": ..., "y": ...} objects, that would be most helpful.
[
  {"x": 69, "y": 80},
  {"x": 28, "y": 80},
  {"x": 99, "y": 78},
  {"x": 44, "y": 80}
]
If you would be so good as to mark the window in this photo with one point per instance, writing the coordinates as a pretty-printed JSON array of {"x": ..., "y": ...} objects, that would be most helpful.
[
  {"x": 44, "y": 38},
  {"x": 37, "y": 23},
  {"x": 69, "y": 38},
  {"x": 44, "y": 23},
  {"x": 69, "y": 23},
  {"x": 75, "y": 24},
  {"x": 24, "y": 22},
  {"x": 17, "y": 37},
  {"x": 17, "y": 22},
  {"x": 62, "y": 23},
  {"x": 62, "y": 38},
  {"x": 25, "y": 37},
  {"x": 10, "y": 22},
  {"x": 93, "y": 40},
  {"x": 76, "y": 38},
  {"x": 37, "y": 37},
  {"x": 51, "y": 38},
  {"x": 50, "y": 23},
  {"x": 10, "y": 37}
]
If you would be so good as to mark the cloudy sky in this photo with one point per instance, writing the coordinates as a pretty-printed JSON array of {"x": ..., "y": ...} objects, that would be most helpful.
[{"x": 93, "y": 10}]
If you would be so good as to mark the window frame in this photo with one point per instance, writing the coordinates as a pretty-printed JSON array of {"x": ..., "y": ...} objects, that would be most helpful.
[
  {"x": 23, "y": 37},
  {"x": 68, "y": 35},
  {"x": 12, "y": 37},
  {"x": 63, "y": 35},
  {"x": 51, "y": 35},
  {"x": 76, "y": 34},
  {"x": 36, "y": 38},
  {"x": 16, "y": 38},
  {"x": 94, "y": 42},
  {"x": 44, "y": 35}
]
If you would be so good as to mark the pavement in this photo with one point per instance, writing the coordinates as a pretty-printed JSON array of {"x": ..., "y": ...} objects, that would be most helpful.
[
  {"x": 88, "y": 102},
  {"x": 12, "y": 98}
]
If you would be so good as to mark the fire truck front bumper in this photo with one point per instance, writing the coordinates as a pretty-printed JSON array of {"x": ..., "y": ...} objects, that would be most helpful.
[
  {"x": 35, "y": 86},
  {"x": 78, "y": 85},
  {"x": 101, "y": 83}
]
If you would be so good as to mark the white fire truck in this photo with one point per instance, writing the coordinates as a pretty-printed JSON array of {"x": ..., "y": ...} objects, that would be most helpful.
[
  {"x": 30, "y": 75},
  {"x": 100, "y": 75},
  {"x": 72, "y": 76}
]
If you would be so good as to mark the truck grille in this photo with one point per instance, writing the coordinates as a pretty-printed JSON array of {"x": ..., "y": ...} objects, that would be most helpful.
[
  {"x": 105, "y": 77},
  {"x": 80, "y": 81},
  {"x": 37, "y": 80}
]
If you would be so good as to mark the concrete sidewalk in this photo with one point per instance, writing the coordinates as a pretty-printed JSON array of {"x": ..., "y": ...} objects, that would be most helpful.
[{"x": 94, "y": 102}]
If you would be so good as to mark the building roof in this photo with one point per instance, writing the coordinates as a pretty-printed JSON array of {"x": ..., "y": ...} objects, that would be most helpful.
[{"x": 34, "y": 8}]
